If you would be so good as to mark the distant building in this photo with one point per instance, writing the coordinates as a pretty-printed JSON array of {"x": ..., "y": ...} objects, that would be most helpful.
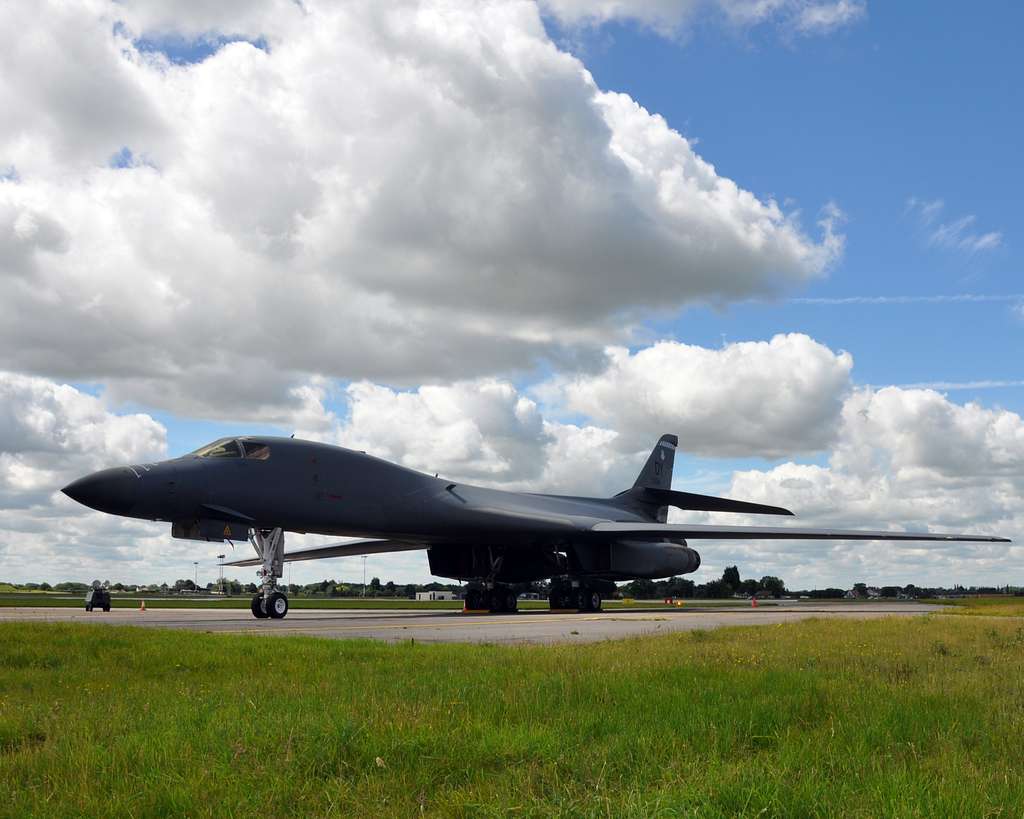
[{"x": 436, "y": 595}]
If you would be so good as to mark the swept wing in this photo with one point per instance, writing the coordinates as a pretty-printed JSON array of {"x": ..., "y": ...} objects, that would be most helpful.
[
  {"x": 344, "y": 548},
  {"x": 707, "y": 532}
]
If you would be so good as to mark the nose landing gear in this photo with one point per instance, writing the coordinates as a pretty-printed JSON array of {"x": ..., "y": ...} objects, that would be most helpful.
[{"x": 269, "y": 546}]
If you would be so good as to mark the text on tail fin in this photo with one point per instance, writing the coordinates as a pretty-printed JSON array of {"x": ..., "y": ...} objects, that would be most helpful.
[{"x": 657, "y": 472}]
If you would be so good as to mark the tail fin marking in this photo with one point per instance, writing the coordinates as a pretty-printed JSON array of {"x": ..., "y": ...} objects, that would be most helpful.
[{"x": 657, "y": 472}]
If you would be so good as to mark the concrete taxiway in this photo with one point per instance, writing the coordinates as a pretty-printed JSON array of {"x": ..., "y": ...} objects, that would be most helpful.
[{"x": 456, "y": 627}]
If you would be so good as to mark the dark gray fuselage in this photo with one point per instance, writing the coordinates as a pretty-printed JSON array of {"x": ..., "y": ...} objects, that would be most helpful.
[{"x": 309, "y": 487}]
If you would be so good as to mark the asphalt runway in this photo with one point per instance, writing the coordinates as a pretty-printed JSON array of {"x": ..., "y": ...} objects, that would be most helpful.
[{"x": 456, "y": 627}]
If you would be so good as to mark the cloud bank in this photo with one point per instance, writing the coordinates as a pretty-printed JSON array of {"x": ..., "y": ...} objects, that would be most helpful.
[
  {"x": 398, "y": 192},
  {"x": 905, "y": 457}
]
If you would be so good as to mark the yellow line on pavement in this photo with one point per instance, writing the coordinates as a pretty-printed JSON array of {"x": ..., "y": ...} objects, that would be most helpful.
[{"x": 384, "y": 626}]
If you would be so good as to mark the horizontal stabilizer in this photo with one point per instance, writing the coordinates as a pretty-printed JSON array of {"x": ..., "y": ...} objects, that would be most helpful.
[
  {"x": 706, "y": 503},
  {"x": 704, "y": 532},
  {"x": 344, "y": 548}
]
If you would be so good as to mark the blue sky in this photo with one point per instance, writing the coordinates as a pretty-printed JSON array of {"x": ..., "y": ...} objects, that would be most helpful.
[
  {"x": 915, "y": 102},
  {"x": 918, "y": 100}
]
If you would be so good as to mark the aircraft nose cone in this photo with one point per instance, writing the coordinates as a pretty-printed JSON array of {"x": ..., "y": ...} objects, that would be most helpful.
[{"x": 114, "y": 491}]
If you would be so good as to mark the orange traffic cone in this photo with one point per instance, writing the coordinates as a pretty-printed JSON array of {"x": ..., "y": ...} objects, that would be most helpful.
[
  {"x": 753, "y": 602},
  {"x": 142, "y": 605}
]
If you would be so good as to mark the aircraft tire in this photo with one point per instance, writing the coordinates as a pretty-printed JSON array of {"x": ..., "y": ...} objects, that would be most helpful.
[
  {"x": 511, "y": 602},
  {"x": 594, "y": 602},
  {"x": 277, "y": 605},
  {"x": 106, "y": 608},
  {"x": 257, "y": 607},
  {"x": 88, "y": 608},
  {"x": 474, "y": 599}
]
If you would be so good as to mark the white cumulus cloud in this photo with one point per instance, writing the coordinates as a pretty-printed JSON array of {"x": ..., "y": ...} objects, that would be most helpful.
[
  {"x": 50, "y": 434},
  {"x": 763, "y": 398},
  {"x": 904, "y": 459},
  {"x": 397, "y": 192},
  {"x": 899, "y": 458}
]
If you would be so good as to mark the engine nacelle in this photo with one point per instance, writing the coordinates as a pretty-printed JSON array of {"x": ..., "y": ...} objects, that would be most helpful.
[{"x": 651, "y": 560}]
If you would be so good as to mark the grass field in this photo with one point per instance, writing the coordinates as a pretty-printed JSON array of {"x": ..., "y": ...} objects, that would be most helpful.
[
  {"x": 995, "y": 606},
  {"x": 920, "y": 717}
]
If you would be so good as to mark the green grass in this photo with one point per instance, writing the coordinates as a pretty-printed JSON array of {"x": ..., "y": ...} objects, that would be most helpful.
[
  {"x": 894, "y": 717},
  {"x": 993, "y": 606}
]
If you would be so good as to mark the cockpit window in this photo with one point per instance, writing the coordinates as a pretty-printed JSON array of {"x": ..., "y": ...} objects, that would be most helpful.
[
  {"x": 224, "y": 448},
  {"x": 256, "y": 450}
]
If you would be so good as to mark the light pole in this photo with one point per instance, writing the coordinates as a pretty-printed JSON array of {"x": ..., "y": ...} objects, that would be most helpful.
[
  {"x": 221, "y": 559},
  {"x": 364, "y": 575},
  {"x": 196, "y": 581}
]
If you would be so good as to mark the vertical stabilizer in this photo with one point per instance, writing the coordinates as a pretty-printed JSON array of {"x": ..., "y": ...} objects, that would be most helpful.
[{"x": 657, "y": 472}]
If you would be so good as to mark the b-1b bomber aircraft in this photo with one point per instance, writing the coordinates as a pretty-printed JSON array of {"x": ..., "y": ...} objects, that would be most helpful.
[{"x": 257, "y": 488}]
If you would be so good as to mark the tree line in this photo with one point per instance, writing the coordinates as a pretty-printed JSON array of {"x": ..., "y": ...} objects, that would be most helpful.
[{"x": 729, "y": 585}]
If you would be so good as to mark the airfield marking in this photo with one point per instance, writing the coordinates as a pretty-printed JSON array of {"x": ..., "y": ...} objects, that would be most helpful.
[
  {"x": 537, "y": 626},
  {"x": 560, "y": 618}
]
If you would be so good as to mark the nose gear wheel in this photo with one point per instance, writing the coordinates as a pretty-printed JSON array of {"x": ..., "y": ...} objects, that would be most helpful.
[{"x": 269, "y": 546}]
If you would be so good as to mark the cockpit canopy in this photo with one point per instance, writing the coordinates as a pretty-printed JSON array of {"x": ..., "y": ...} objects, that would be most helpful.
[{"x": 235, "y": 448}]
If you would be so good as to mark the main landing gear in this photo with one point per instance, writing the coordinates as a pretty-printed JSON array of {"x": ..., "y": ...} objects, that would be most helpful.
[
  {"x": 269, "y": 546},
  {"x": 496, "y": 599},
  {"x": 574, "y": 595}
]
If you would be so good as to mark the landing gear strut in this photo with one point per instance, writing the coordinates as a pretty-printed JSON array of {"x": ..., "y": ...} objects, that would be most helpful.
[
  {"x": 269, "y": 546},
  {"x": 496, "y": 598},
  {"x": 574, "y": 595}
]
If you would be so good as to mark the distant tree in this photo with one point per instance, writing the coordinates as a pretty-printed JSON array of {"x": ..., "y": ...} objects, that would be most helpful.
[
  {"x": 860, "y": 589},
  {"x": 773, "y": 585},
  {"x": 390, "y": 589},
  {"x": 409, "y": 591},
  {"x": 45, "y": 587},
  {"x": 641, "y": 589},
  {"x": 715, "y": 590},
  {"x": 890, "y": 591},
  {"x": 679, "y": 587},
  {"x": 731, "y": 576},
  {"x": 750, "y": 587}
]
